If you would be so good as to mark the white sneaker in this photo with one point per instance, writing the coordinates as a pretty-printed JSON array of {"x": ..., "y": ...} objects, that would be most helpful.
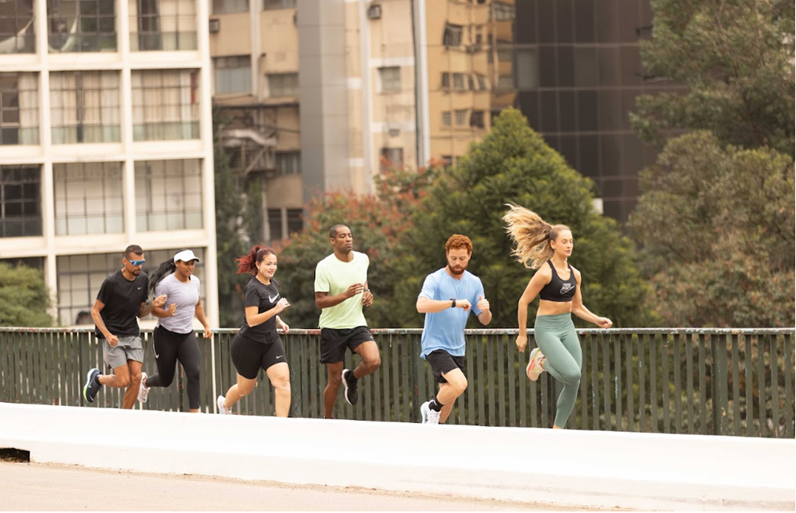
[
  {"x": 143, "y": 392},
  {"x": 427, "y": 415},
  {"x": 221, "y": 409}
]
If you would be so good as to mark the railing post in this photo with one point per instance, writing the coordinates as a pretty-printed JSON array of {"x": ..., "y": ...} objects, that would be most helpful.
[{"x": 719, "y": 370}]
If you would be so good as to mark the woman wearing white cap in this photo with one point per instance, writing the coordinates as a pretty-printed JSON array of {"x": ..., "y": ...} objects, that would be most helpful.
[{"x": 174, "y": 335}]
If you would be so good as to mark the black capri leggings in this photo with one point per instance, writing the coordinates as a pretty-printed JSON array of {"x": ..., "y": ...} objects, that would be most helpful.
[{"x": 170, "y": 347}]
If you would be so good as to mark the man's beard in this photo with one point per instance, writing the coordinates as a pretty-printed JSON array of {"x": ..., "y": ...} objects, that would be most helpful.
[{"x": 455, "y": 272}]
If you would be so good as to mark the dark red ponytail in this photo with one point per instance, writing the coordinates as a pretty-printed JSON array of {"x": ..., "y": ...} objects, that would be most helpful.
[{"x": 247, "y": 264}]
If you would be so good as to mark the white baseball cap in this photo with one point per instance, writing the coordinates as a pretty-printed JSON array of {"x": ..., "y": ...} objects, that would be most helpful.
[{"x": 186, "y": 255}]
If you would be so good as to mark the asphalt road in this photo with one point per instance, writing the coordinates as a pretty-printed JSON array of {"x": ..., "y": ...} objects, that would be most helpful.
[{"x": 40, "y": 487}]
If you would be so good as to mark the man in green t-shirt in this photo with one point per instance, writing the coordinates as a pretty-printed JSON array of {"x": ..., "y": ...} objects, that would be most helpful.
[{"x": 341, "y": 290}]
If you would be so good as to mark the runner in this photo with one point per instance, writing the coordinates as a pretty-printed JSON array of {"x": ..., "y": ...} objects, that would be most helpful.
[
  {"x": 447, "y": 298},
  {"x": 558, "y": 285}
]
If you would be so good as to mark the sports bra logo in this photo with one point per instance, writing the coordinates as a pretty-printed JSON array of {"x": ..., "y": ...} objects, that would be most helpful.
[{"x": 566, "y": 287}]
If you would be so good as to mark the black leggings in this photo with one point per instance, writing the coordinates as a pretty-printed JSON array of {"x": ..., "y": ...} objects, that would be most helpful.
[{"x": 170, "y": 347}]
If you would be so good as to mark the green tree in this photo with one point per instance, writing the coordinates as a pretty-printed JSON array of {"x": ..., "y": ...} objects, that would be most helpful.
[
  {"x": 717, "y": 226},
  {"x": 238, "y": 227},
  {"x": 377, "y": 222},
  {"x": 736, "y": 59},
  {"x": 513, "y": 164},
  {"x": 24, "y": 300}
]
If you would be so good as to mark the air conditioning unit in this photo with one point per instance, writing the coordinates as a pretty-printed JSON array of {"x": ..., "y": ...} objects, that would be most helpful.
[
  {"x": 214, "y": 25},
  {"x": 374, "y": 12}
]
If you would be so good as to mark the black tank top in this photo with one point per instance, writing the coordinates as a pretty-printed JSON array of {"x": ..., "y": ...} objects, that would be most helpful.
[{"x": 559, "y": 290}]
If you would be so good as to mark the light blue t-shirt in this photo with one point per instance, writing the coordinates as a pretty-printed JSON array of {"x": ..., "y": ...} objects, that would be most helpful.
[{"x": 445, "y": 329}]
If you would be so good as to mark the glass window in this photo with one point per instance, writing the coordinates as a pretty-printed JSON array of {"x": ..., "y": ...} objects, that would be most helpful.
[
  {"x": 569, "y": 150},
  {"x": 629, "y": 20},
  {"x": 529, "y": 106},
  {"x": 275, "y": 223},
  {"x": 20, "y": 201},
  {"x": 88, "y": 198},
  {"x": 505, "y": 82},
  {"x": 547, "y": 62},
  {"x": 608, "y": 60},
  {"x": 288, "y": 163},
  {"x": 81, "y": 26},
  {"x": 295, "y": 222},
  {"x": 162, "y": 25},
  {"x": 546, "y": 20},
  {"x": 230, "y": 6},
  {"x": 566, "y": 65},
  {"x": 391, "y": 158},
  {"x": 452, "y": 35},
  {"x": 589, "y": 155},
  {"x": 17, "y": 27},
  {"x": 461, "y": 117},
  {"x": 526, "y": 18},
  {"x": 611, "y": 153},
  {"x": 85, "y": 107},
  {"x": 446, "y": 80},
  {"x": 584, "y": 21},
  {"x": 477, "y": 119},
  {"x": 564, "y": 21},
  {"x": 549, "y": 114},
  {"x": 631, "y": 69},
  {"x": 611, "y": 110},
  {"x": 458, "y": 81},
  {"x": 446, "y": 118},
  {"x": 233, "y": 74},
  {"x": 501, "y": 12},
  {"x": 165, "y": 105},
  {"x": 168, "y": 195},
  {"x": 19, "y": 108},
  {"x": 585, "y": 67},
  {"x": 587, "y": 111},
  {"x": 566, "y": 111},
  {"x": 269, "y": 5},
  {"x": 482, "y": 82},
  {"x": 527, "y": 68},
  {"x": 390, "y": 79},
  {"x": 606, "y": 15},
  {"x": 283, "y": 84}
]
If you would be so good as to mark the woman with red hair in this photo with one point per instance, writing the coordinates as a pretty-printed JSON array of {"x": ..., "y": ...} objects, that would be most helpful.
[{"x": 257, "y": 345}]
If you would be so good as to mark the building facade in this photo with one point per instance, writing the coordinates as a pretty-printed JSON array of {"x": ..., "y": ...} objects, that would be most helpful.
[
  {"x": 105, "y": 140},
  {"x": 335, "y": 90}
]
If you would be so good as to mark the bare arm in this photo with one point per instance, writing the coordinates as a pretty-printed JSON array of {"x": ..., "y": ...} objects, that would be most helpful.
[
  {"x": 95, "y": 315},
  {"x": 253, "y": 318},
  {"x": 324, "y": 300},
  {"x": 579, "y": 309},
  {"x": 426, "y": 305},
  {"x": 199, "y": 311},
  {"x": 146, "y": 309},
  {"x": 535, "y": 285},
  {"x": 486, "y": 314}
]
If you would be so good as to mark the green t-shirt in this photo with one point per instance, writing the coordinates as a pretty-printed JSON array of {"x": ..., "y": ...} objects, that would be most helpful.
[{"x": 334, "y": 277}]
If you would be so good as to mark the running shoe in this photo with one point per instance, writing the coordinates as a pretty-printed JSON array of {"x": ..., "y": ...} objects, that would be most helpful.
[
  {"x": 143, "y": 392},
  {"x": 534, "y": 368},
  {"x": 350, "y": 382},
  {"x": 221, "y": 409},
  {"x": 92, "y": 385},
  {"x": 427, "y": 415}
]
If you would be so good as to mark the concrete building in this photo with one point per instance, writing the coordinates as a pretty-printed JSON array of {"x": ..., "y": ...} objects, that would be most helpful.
[
  {"x": 321, "y": 94},
  {"x": 105, "y": 140}
]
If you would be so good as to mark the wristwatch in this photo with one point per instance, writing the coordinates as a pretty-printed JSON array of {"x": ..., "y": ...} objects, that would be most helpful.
[{"x": 453, "y": 303}]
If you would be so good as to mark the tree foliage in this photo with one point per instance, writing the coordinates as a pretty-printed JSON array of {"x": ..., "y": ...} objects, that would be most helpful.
[
  {"x": 736, "y": 58},
  {"x": 238, "y": 227},
  {"x": 717, "y": 226},
  {"x": 24, "y": 300},
  {"x": 513, "y": 164}
]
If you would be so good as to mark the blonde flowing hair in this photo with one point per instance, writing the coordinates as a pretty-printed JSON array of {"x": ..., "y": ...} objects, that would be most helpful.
[{"x": 532, "y": 234}]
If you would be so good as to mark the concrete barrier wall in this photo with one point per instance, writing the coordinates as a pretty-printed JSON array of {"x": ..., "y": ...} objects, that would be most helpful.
[{"x": 583, "y": 468}]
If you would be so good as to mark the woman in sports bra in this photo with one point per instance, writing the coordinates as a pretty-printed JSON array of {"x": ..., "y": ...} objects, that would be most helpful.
[{"x": 547, "y": 248}]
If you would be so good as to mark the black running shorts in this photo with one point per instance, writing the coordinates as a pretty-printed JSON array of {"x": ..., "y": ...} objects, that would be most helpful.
[
  {"x": 443, "y": 362},
  {"x": 335, "y": 342},
  {"x": 250, "y": 356}
]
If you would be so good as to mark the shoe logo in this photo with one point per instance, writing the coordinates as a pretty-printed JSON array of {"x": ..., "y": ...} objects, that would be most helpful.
[
  {"x": 139, "y": 288},
  {"x": 156, "y": 355},
  {"x": 278, "y": 357},
  {"x": 272, "y": 299},
  {"x": 566, "y": 288}
]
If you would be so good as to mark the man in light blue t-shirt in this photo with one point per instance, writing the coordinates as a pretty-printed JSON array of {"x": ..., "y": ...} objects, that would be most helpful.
[{"x": 447, "y": 299}]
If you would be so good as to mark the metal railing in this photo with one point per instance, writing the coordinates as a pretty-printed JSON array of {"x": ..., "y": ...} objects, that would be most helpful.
[{"x": 709, "y": 381}]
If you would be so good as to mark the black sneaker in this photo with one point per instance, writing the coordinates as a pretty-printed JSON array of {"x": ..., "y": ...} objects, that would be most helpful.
[
  {"x": 92, "y": 385},
  {"x": 350, "y": 382}
]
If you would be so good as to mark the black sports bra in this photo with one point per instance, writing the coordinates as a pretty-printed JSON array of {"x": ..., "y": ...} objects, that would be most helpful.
[{"x": 559, "y": 290}]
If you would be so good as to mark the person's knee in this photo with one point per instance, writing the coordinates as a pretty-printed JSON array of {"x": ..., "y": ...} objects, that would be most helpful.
[
  {"x": 124, "y": 381},
  {"x": 458, "y": 386},
  {"x": 335, "y": 379},
  {"x": 571, "y": 376},
  {"x": 192, "y": 374},
  {"x": 245, "y": 389},
  {"x": 374, "y": 362},
  {"x": 281, "y": 383}
]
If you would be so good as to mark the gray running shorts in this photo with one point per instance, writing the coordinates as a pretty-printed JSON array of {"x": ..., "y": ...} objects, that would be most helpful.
[{"x": 128, "y": 348}]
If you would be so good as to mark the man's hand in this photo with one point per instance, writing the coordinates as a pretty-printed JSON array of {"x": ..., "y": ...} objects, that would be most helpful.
[
  {"x": 463, "y": 304},
  {"x": 172, "y": 309},
  {"x": 159, "y": 301},
  {"x": 113, "y": 340},
  {"x": 354, "y": 289},
  {"x": 367, "y": 297},
  {"x": 483, "y": 304}
]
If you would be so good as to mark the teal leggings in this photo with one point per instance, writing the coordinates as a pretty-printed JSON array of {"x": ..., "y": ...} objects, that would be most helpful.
[{"x": 556, "y": 337}]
